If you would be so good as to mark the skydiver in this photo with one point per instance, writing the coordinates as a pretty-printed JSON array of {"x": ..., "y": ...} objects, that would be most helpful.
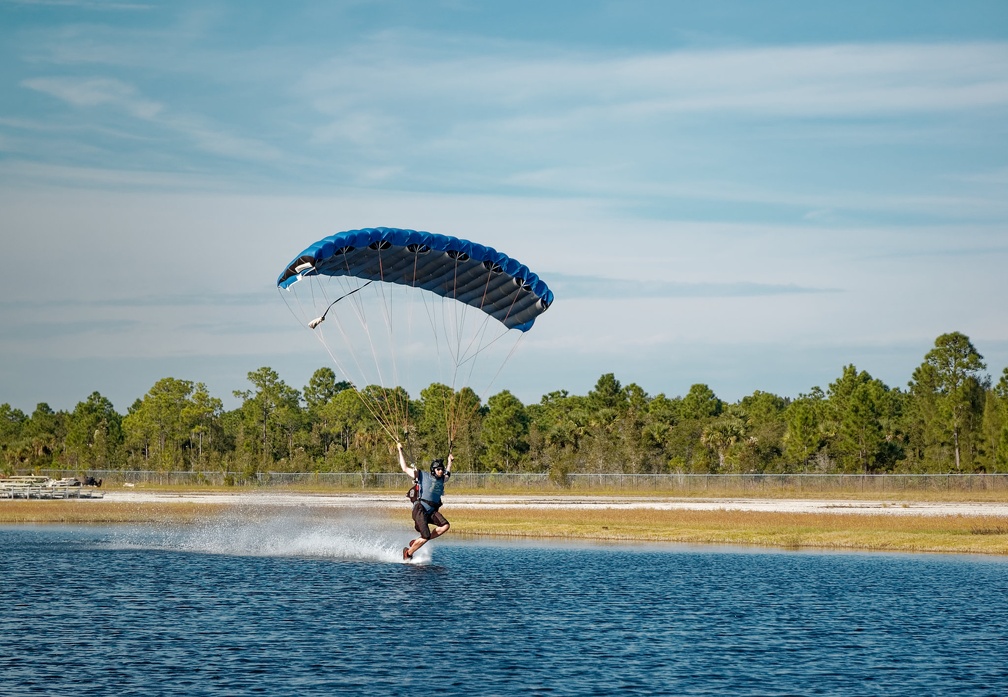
[{"x": 426, "y": 509}]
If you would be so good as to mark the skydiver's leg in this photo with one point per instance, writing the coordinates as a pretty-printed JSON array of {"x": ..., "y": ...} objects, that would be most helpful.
[
  {"x": 442, "y": 524},
  {"x": 422, "y": 525},
  {"x": 416, "y": 544},
  {"x": 438, "y": 532}
]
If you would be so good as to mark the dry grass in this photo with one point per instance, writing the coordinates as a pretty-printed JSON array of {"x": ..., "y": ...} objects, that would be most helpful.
[
  {"x": 89, "y": 511},
  {"x": 909, "y": 533}
]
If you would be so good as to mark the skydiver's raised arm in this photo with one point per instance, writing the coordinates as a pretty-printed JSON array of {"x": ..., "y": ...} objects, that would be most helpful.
[
  {"x": 407, "y": 470},
  {"x": 450, "y": 459}
]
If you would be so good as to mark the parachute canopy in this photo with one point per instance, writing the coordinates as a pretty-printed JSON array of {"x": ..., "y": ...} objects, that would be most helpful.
[
  {"x": 476, "y": 275},
  {"x": 400, "y": 309}
]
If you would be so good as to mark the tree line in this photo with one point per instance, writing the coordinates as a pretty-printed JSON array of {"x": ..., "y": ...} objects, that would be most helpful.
[{"x": 950, "y": 418}]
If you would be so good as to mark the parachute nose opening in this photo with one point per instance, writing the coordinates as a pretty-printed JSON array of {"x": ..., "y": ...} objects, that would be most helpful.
[{"x": 522, "y": 283}]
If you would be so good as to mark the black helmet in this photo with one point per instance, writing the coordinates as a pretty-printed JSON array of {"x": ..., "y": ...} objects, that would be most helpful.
[{"x": 435, "y": 465}]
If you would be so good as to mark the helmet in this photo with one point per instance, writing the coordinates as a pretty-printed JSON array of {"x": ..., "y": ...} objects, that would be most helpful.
[{"x": 436, "y": 464}]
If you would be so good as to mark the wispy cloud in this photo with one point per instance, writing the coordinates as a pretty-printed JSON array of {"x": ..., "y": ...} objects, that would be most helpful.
[
  {"x": 114, "y": 93},
  {"x": 144, "y": 302},
  {"x": 97, "y": 5},
  {"x": 686, "y": 124},
  {"x": 845, "y": 79},
  {"x": 422, "y": 110},
  {"x": 832, "y": 80},
  {"x": 573, "y": 287},
  {"x": 97, "y": 91}
]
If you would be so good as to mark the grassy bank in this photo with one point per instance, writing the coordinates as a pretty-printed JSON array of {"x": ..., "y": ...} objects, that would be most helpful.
[
  {"x": 904, "y": 533},
  {"x": 883, "y": 532},
  {"x": 71, "y": 511}
]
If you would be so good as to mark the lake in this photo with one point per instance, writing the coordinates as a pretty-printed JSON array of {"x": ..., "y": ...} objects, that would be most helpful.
[{"x": 242, "y": 605}]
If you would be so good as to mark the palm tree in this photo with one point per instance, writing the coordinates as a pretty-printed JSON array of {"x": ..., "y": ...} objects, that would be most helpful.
[{"x": 722, "y": 434}]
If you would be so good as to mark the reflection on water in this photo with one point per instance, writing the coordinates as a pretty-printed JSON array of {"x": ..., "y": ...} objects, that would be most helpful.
[{"x": 298, "y": 606}]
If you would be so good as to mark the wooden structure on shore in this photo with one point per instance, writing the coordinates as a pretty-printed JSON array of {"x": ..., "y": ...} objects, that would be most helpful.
[{"x": 35, "y": 487}]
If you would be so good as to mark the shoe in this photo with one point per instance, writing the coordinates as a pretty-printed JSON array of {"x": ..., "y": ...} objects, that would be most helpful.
[{"x": 406, "y": 556}]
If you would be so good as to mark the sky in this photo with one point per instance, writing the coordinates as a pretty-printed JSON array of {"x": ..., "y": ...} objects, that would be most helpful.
[{"x": 749, "y": 194}]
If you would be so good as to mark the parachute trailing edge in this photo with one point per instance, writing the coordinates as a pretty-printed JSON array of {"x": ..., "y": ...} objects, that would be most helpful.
[{"x": 474, "y": 274}]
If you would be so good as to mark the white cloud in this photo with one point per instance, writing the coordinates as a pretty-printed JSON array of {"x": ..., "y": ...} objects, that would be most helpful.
[
  {"x": 97, "y": 91},
  {"x": 100, "y": 5},
  {"x": 845, "y": 79},
  {"x": 104, "y": 91}
]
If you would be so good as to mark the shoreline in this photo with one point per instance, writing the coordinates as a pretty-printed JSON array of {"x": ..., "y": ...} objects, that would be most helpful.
[
  {"x": 891, "y": 525},
  {"x": 895, "y": 506}
]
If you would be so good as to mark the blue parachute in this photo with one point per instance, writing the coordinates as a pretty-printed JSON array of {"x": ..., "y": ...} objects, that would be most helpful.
[
  {"x": 471, "y": 273},
  {"x": 400, "y": 310}
]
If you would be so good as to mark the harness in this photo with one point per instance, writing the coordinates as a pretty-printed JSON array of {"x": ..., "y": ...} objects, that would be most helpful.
[
  {"x": 428, "y": 504},
  {"x": 414, "y": 495}
]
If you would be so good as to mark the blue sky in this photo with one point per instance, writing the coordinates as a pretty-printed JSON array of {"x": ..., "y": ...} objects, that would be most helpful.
[{"x": 749, "y": 195}]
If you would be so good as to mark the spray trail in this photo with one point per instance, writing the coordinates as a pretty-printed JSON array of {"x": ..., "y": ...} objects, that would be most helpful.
[{"x": 286, "y": 534}]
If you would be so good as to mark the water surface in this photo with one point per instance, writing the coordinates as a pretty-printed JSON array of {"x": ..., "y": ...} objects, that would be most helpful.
[{"x": 301, "y": 607}]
